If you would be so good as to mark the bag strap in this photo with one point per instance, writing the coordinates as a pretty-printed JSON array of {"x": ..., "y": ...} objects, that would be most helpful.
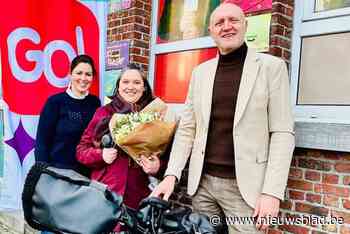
[{"x": 66, "y": 178}]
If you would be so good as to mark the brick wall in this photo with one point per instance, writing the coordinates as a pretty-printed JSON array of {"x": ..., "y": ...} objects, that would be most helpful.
[
  {"x": 318, "y": 185},
  {"x": 133, "y": 24},
  {"x": 318, "y": 180},
  {"x": 281, "y": 28}
]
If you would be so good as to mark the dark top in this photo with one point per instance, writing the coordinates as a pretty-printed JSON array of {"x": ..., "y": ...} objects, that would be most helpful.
[
  {"x": 61, "y": 124},
  {"x": 219, "y": 158}
]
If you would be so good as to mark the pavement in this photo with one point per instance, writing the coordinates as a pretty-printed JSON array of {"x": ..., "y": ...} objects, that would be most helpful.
[{"x": 13, "y": 223}]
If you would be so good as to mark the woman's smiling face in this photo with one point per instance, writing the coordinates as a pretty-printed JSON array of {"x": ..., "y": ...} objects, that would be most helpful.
[{"x": 131, "y": 86}]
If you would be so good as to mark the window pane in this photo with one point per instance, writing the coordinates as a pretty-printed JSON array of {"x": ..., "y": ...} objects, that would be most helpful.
[
  {"x": 173, "y": 72},
  {"x": 189, "y": 19},
  {"x": 324, "y": 77},
  {"x": 324, "y": 5}
]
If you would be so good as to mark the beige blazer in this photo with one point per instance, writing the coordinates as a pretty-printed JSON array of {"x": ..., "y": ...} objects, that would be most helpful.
[{"x": 263, "y": 133}]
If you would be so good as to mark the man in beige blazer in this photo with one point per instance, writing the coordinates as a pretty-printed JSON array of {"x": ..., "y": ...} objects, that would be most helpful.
[{"x": 260, "y": 140}]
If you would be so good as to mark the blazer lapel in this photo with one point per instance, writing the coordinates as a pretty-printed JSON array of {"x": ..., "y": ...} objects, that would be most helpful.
[
  {"x": 207, "y": 89},
  {"x": 249, "y": 75}
]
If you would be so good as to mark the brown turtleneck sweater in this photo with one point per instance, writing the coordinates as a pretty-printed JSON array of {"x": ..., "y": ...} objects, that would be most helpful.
[{"x": 219, "y": 157}]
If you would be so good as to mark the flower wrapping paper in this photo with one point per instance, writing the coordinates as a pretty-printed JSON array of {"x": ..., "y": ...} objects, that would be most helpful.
[{"x": 147, "y": 137}]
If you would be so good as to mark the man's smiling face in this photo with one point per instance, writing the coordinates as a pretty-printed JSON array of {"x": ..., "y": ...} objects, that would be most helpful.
[{"x": 228, "y": 27}]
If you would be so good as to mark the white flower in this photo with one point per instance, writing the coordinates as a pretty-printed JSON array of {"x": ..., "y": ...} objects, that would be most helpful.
[{"x": 126, "y": 123}]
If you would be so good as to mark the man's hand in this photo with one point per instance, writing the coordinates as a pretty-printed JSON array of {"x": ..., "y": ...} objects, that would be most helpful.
[
  {"x": 266, "y": 206},
  {"x": 165, "y": 188},
  {"x": 109, "y": 155}
]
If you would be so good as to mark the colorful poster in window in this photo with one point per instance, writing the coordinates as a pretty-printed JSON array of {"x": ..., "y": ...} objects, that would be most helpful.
[
  {"x": 258, "y": 32},
  {"x": 117, "y": 55},
  {"x": 189, "y": 19},
  {"x": 110, "y": 79},
  {"x": 117, "y": 5},
  {"x": 325, "y": 5},
  {"x": 173, "y": 72},
  {"x": 184, "y": 19},
  {"x": 249, "y": 6}
]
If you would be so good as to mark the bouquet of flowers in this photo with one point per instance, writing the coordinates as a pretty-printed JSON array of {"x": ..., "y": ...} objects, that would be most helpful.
[{"x": 145, "y": 132}]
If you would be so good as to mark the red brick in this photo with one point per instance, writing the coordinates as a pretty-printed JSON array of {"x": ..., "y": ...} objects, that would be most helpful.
[
  {"x": 142, "y": 44},
  {"x": 315, "y": 164},
  {"x": 330, "y": 228},
  {"x": 329, "y": 200},
  {"x": 342, "y": 167},
  {"x": 137, "y": 4},
  {"x": 286, "y": 54},
  {"x": 132, "y": 35},
  {"x": 346, "y": 203},
  {"x": 148, "y": 8},
  {"x": 344, "y": 156},
  {"x": 285, "y": 2},
  {"x": 300, "y": 184},
  {"x": 277, "y": 29},
  {"x": 331, "y": 155},
  {"x": 312, "y": 175},
  {"x": 346, "y": 180},
  {"x": 145, "y": 37},
  {"x": 315, "y": 153},
  {"x": 145, "y": 53},
  {"x": 278, "y": 7},
  {"x": 139, "y": 59},
  {"x": 142, "y": 28},
  {"x": 289, "y": 12},
  {"x": 281, "y": 19},
  {"x": 294, "y": 162},
  {"x": 135, "y": 50},
  {"x": 128, "y": 20},
  {"x": 276, "y": 51},
  {"x": 342, "y": 215},
  {"x": 274, "y": 231},
  {"x": 330, "y": 179},
  {"x": 121, "y": 14},
  {"x": 287, "y": 205},
  {"x": 280, "y": 41},
  {"x": 296, "y": 195},
  {"x": 314, "y": 198},
  {"x": 294, "y": 229},
  {"x": 310, "y": 209},
  {"x": 332, "y": 190},
  {"x": 344, "y": 229},
  {"x": 137, "y": 11},
  {"x": 147, "y": 22},
  {"x": 295, "y": 173}
]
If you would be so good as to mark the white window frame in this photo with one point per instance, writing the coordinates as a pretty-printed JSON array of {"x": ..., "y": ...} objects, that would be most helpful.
[
  {"x": 176, "y": 46},
  {"x": 318, "y": 126},
  {"x": 310, "y": 14}
]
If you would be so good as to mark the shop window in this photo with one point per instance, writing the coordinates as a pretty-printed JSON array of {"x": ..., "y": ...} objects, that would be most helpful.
[{"x": 180, "y": 41}]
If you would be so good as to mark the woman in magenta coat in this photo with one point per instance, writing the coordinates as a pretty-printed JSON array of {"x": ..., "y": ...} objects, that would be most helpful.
[{"x": 112, "y": 166}]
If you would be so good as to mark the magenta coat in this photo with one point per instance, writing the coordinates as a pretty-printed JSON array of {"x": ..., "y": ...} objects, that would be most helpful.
[{"x": 123, "y": 176}]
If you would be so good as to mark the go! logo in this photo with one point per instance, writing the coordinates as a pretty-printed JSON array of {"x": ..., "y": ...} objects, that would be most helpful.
[{"x": 38, "y": 41}]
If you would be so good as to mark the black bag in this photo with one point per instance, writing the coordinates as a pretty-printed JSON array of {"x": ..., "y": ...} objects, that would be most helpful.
[{"x": 61, "y": 200}]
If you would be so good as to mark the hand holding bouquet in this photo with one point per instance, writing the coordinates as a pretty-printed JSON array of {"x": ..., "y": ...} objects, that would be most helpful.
[{"x": 145, "y": 132}]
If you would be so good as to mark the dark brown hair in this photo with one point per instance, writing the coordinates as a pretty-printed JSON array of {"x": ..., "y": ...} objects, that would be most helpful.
[{"x": 83, "y": 58}]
